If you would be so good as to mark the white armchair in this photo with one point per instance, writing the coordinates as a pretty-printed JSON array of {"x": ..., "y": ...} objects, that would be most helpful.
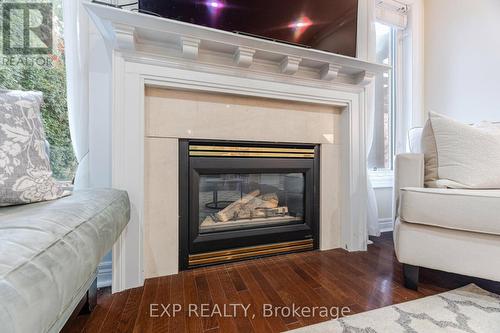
[{"x": 451, "y": 230}]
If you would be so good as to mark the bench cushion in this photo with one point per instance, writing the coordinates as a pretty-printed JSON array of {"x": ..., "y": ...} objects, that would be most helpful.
[
  {"x": 49, "y": 250},
  {"x": 466, "y": 210}
]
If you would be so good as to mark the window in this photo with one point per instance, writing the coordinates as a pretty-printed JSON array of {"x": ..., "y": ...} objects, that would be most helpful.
[
  {"x": 23, "y": 70},
  {"x": 382, "y": 150}
]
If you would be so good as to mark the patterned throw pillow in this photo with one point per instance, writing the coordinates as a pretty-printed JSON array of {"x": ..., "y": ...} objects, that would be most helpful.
[{"x": 25, "y": 174}]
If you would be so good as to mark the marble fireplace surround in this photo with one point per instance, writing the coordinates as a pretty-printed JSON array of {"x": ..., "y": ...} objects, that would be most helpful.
[
  {"x": 171, "y": 78},
  {"x": 171, "y": 115}
]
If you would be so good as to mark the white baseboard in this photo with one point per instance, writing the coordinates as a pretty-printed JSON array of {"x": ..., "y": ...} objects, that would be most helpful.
[
  {"x": 386, "y": 225},
  {"x": 104, "y": 276}
]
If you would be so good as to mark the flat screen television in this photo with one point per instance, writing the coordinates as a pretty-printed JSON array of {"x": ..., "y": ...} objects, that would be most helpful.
[{"x": 328, "y": 25}]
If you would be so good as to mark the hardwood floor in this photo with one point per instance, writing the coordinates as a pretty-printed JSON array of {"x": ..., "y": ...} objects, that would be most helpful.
[{"x": 334, "y": 279}]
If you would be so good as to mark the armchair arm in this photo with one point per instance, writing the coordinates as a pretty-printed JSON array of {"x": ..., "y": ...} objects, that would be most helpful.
[{"x": 408, "y": 172}]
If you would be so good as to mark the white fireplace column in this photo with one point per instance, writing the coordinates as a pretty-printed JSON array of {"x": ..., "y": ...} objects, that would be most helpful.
[{"x": 149, "y": 51}]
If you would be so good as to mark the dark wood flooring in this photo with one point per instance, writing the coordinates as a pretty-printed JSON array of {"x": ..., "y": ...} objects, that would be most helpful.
[{"x": 361, "y": 281}]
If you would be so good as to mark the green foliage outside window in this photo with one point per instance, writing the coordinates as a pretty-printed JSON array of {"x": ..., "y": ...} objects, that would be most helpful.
[{"x": 22, "y": 72}]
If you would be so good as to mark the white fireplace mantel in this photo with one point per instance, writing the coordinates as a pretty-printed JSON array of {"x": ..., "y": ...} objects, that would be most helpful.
[
  {"x": 149, "y": 51},
  {"x": 137, "y": 34}
]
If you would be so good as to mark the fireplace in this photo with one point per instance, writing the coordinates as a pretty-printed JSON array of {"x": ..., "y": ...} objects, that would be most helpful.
[
  {"x": 242, "y": 200},
  {"x": 173, "y": 81}
]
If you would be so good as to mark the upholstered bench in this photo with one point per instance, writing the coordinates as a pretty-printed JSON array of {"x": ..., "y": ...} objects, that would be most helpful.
[{"x": 49, "y": 253}]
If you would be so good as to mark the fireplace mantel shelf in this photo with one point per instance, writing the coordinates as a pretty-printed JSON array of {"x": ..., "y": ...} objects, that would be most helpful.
[{"x": 164, "y": 39}]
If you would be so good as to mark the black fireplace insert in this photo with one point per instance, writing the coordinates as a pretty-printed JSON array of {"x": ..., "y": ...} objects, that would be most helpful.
[{"x": 242, "y": 200}]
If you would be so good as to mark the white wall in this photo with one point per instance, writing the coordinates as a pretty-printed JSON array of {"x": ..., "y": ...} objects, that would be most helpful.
[
  {"x": 462, "y": 58},
  {"x": 384, "y": 205}
]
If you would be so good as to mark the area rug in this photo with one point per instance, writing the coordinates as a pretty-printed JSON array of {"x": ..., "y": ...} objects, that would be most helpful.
[{"x": 468, "y": 309}]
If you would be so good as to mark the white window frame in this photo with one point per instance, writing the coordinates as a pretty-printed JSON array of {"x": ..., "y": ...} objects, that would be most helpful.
[
  {"x": 408, "y": 108},
  {"x": 384, "y": 178}
]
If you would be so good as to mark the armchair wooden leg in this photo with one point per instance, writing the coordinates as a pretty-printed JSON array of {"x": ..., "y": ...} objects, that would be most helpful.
[{"x": 410, "y": 274}]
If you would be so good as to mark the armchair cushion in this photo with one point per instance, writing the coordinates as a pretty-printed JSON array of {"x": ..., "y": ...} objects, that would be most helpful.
[{"x": 466, "y": 210}]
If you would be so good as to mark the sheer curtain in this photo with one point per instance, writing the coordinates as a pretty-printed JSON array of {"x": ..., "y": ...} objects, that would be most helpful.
[
  {"x": 394, "y": 14},
  {"x": 76, "y": 40},
  {"x": 373, "y": 226}
]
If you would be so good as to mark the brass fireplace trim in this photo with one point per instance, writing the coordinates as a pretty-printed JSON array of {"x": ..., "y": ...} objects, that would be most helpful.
[
  {"x": 230, "y": 151},
  {"x": 261, "y": 149},
  {"x": 247, "y": 252},
  {"x": 246, "y": 154}
]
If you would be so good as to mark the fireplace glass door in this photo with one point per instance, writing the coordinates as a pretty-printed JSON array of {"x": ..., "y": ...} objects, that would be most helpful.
[{"x": 242, "y": 201}]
